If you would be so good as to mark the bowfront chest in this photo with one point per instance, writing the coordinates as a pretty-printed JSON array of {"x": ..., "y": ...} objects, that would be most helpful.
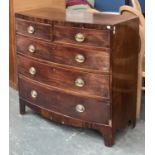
[{"x": 78, "y": 69}]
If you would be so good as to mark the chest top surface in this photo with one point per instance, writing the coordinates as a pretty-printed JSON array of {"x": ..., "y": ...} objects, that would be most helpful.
[{"x": 72, "y": 16}]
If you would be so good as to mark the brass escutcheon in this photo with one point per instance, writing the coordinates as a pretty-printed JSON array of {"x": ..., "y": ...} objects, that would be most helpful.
[
  {"x": 79, "y": 37},
  {"x": 80, "y": 108},
  {"x": 34, "y": 94},
  {"x": 30, "y": 29},
  {"x": 79, "y": 82},
  {"x": 31, "y": 48},
  {"x": 79, "y": 58},
  {"x": 32, "y": 71}
]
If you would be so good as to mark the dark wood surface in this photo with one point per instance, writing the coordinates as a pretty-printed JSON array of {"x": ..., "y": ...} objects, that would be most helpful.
[
  {"x": 85, "y": 19},
  {"x": 65, "y": 103},
  {"x": 124, "y": 72},
  {"x": 65, "y": 55},
  {"x": 96, "y": 85},
  {"x": 109, "y": 72},
  {"x": 92, "y": 37},
  {"x": 42, "y": 31}
]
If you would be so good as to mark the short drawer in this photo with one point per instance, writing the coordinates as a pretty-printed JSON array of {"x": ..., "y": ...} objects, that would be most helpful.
[
  {"x": 33, "y": 29},
  {"x": 82, "y": 36},
  {"x": 65, "y": 55},
  {"x": 74, "y": 81},
  {"x": 87, "y": 109}
]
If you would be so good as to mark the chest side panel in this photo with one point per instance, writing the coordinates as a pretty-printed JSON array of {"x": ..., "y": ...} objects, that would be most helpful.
[{"x": 124, "y": 63}]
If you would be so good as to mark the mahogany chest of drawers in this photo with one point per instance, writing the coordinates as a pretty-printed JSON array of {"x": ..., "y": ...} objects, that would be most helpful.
[{"x": 78, "y": 69}]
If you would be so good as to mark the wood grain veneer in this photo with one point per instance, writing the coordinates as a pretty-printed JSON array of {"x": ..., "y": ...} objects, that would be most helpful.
[
  {"x": 105, "y": 96},
  {"x": 20, "y": 5}
]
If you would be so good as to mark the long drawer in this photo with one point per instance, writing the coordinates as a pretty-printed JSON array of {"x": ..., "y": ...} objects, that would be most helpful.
[
  {"x": 67, "y": 55},
  {"x": 86, "y": 84},
  {"x": 87, "y": 109}
]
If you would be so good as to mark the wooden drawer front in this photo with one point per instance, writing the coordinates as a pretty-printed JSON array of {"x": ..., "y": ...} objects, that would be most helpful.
[
  {"x": 38, "y": 30},
  {"x": 83, "y": 83},
  {"x": 92, "y": 110},
  {"x": 91, "y": 37},
  {"x": 91, "y": 59}
]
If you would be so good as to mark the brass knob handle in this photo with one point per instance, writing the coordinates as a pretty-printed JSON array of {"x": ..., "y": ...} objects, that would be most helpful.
[
  {"x": 30, "y": 29},
  {"x": 34, "y": 94},
  {"x": 79, "y": 37},
  {"x": 79, "y": 58},
  {"x": 32, "y": 71},
  {"x": 79, "y": 82},
  {"x": 31, "y": 48},
  {"x": 80, "y": 108}
]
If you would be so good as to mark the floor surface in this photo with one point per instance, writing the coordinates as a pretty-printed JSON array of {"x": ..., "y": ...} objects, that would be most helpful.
[{"x": 31, "y": 134}]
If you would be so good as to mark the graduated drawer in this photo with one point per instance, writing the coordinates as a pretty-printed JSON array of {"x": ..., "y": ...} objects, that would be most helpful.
[
  {"x": 82, "y": 36},
  {"x": 74, "y": 81},
  {"x": 87, "y": 109},
  {"x": 33, "y": 29},
  {"x": 66, "y": 55}
]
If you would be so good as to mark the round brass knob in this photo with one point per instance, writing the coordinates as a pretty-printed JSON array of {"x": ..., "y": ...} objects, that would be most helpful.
[
  {"x": 30, "y": 29},
  {"x": 34, "y": 94},
  {"x": 79, "y": 58},
  {"x": 79, "y": 82},
  {"x": 31, "y": 48},
  {"x": 80, "y": 108},
  {"x": 32, "y": 71},
  {"x": 79, "y": 37}
]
